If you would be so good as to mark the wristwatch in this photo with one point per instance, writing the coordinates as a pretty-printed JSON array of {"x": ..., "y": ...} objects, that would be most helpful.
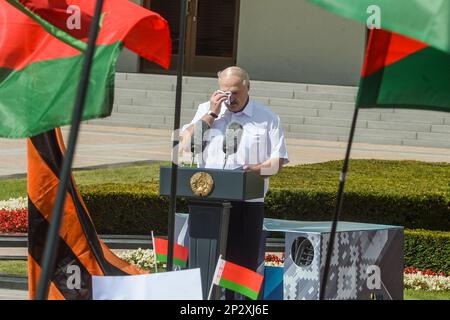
[{"x": 213, "y": 114}]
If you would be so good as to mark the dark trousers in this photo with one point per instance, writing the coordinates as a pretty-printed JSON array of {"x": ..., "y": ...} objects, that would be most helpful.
[{"x": 244, "y": 235}]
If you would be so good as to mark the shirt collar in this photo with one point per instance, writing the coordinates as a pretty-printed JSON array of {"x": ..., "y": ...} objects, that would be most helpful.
[{"x": 248, "y": 110}]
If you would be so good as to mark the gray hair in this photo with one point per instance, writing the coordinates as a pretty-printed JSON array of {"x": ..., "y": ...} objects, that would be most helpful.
[{"x": 236, "y": 71}]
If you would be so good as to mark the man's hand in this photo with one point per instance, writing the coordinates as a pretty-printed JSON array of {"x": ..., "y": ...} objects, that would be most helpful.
[
  {"x": 256, "y": 168},
  {"x": 267, "y": 168},
  {"x": 185, "y": 141},
  {"x": 215, "y": 102}
]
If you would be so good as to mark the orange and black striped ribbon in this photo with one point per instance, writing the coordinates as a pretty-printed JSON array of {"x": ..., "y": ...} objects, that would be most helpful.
[{"x": 81, "y": 253}]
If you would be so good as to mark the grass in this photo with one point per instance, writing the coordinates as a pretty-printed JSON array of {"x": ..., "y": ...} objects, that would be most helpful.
[
  {"x": 14, "y": 267},
  {"x": 374, "y": 176},
  {"x": 425, "y": 295},
  {"x": 19, "y": 267},
  {"x": 142, "y": 173}
]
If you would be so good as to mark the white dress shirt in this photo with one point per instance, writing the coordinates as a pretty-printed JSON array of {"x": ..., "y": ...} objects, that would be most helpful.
[{"x": 262, "y": 138}]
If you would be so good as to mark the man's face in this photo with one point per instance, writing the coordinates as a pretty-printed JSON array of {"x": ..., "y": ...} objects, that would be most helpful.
[{"x": 239, "y": 91}]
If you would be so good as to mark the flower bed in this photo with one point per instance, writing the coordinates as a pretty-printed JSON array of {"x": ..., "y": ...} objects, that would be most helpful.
[
  {"x": 426, "y": 280},
  {"x": 14, "y": 215},
  {"x": 14, "y": 204},
  {"x": 141, "y": 258},
  {"x": 274, "y": 260}
]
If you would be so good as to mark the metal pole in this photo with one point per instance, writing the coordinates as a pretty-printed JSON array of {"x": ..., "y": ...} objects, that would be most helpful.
[
  {"x": 337, "y": 211},
  {"x": 51, "y": 246},
  {"x": 176, "y": 126}
]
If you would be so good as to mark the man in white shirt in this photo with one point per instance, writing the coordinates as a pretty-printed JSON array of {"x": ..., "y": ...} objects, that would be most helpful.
[{"x": 261, "y": 149}]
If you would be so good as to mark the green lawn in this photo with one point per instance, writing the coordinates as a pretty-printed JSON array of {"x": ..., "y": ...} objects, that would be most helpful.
[
  {"x": 425, "y": 295},
  {"x": 143, "y": 173},
  {"x": 15, "y": 267},
  {"x": 375, "y": 176},
  {"x": 18, "y": 267}
]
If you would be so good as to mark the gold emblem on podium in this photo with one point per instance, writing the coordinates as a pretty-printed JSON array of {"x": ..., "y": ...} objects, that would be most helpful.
[{"x": 202, "y": 184}]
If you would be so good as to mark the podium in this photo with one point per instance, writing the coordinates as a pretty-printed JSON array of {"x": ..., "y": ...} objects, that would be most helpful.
[{"x": 209, "y": 193}]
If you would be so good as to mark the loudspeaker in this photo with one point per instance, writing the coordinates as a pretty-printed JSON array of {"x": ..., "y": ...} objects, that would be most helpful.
[{"x": 367, "y": 262}]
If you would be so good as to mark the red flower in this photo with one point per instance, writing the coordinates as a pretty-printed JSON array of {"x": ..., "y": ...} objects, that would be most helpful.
[{"x": 14, "y": 221}]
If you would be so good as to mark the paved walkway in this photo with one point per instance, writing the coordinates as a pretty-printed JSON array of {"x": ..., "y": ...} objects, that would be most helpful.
[
  {"x": 103, "y": 145},
  {"x": 6, "y": 294}
]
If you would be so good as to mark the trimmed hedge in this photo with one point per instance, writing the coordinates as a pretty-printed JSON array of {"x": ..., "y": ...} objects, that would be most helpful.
[
  {"x": 412, "y": 194},
  {"x": 136, "y": 209},
  {"x": 427, "y": 250}
]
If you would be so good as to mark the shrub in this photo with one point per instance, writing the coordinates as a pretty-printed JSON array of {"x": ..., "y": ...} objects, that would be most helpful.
[
  {"x": 427, "y": 250},
  {"x": 128, "y": 209}
]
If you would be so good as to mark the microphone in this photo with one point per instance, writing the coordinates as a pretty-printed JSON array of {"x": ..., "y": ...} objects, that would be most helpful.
[
  {"x": 232, "y": 139},
  {"x": 198, "y": 143}
]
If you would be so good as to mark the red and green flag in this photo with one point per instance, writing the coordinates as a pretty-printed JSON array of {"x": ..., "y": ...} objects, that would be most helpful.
[
  {"x": 180, "y": 253},
  {"x": 403, "y": 72},
  {"x": 407, "y": 62},
  {"x": 425, "y": 20},
  {"x": 42, "y": 50},
  {"x": 237, "y": 278}
]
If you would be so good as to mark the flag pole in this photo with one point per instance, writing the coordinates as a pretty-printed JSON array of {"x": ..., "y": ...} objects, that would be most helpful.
[
  {"x": 154, "y": 252},
  {"x": 51, "y": 243},
  {"x": 214, "y": 277},
  {"x": 176, "y": 126},
  {"x": 337, "y": 209}
]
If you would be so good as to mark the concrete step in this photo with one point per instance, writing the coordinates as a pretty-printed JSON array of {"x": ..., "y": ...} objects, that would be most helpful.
[
  {"x": 296, "y": 103},
  {"x": 417, "y": 112},
  {"x": 389, "y": 125},
  {"x": 367, "y": 138},
  {"x": 162, "y": 98},
  {"x": 306, "y": 95},
  {"x": 334, "y": 122},
  {"x": 332, "y": 89},
  {"x": 428, "y": 118},
  {"x": 384, "y": 133},
  {"x": 289, "y": 111},
  {"x": 312, "y": 129},
  {"x": 148, "y": 77},
  {"x": 311, "y": 136},
  {"x": 213, "y": 83},
  {"x": 440, "y": 128},
  {"x": 165, "y": 111},
  {"x": 143, "y": 121},
  {"x": 344, "y": 131},
  {"x": 307, "y": 111},
  {"x": 363, "y": 114},
  {"x": 434, "y": 136},
  {"x": 145, "y": 85}
]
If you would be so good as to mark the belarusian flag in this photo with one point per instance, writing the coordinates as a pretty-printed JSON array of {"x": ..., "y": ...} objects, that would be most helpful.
[
  {"x": 403, "y": 72},
  {"x": 180, "y": 253},
  {"x": 239, "y": 279},
  {"x": 42, "y": 51},
  {"x": 407, "y": 63},
  {"x": 425, "y": 20}
]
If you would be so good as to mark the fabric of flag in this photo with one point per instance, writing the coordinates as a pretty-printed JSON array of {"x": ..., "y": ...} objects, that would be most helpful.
[
  {"x": 42, "y": 53},
  {"x": 180, "y": 253},
  {"x": 407, "y": 62},
  {"x": 239, "y": 279},
  {"x": 81, "y": 253},
  {"x": 404, "y": 73},
  {"x": 425, "y": 20}
]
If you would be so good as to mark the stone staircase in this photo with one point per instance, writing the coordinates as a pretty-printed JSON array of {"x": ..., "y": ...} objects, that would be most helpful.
[{"x": 307, "y": 111}]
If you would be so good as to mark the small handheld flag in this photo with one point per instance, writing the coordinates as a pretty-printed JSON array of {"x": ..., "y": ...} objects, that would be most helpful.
[
  {"x": 236, "y": 278},
  {"x": 180, "y": 253}
]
